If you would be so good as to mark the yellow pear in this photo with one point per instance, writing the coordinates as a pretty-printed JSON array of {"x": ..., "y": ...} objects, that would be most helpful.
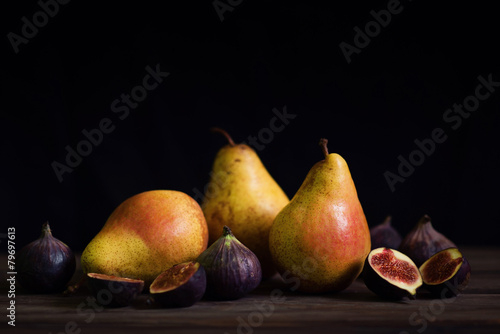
[
  {"x": 147, "y": 234},
  {"x": 320, "y": 240},
  {"x": 242, "y": 195}
]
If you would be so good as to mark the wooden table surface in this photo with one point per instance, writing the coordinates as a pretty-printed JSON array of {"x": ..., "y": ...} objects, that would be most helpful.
[{"x": 354, "y": 310}]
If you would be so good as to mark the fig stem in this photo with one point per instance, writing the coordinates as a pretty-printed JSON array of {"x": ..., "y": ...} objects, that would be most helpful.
[
  {"x": 387, "y": 221},
  {"x": 226, "y": 231},
  {"x": 424, "y": 220},
  {"x": 46, "y": 229},
  {"x": 323, "y": 143},
  {"x": 228, "y": 137}
]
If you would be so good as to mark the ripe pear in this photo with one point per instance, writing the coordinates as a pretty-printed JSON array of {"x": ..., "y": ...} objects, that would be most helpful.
[
  {"x": 147, "y": 234},
  {"x": 320, "y": 240},
  {"x": 243, "y": 195}
]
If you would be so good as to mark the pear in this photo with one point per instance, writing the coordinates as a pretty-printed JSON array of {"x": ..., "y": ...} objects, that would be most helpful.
[
  {"x": 242, "y": 195},
  {"x": 320, "y": 240},
  {"x": 147, "y": 234}
]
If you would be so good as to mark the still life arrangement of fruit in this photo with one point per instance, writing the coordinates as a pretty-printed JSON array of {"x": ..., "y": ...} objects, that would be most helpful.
[{"x": 163, "y": 243}]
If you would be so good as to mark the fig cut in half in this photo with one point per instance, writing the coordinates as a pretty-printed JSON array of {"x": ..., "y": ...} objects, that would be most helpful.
[
  {"x": 446, "y": 273},
  {"x": 391, "y": 274},
  {"x": 180, "y": 286},
  {"x": 113, "y": 291}
]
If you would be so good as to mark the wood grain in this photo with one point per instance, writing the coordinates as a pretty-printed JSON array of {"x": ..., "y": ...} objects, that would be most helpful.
[{"x": 355, "y": 310}]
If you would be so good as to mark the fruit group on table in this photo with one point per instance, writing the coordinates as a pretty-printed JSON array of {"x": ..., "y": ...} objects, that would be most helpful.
[
  {"x": 423, "y": 241},
  {"x": 112, "y": 291},
  {"x": 446, "y": 274},
  {"x": 45, "y": 265},
  {"x": 232, "y": 269},
  {"x": 321, "y": 238},
  {"x": 384, "y": 235},
  {"x": 391, "y": 274},
  {"x": 180, "y": 286},
  {"x": 147, "y": 234},
  {"x": 242, "y": 195}
]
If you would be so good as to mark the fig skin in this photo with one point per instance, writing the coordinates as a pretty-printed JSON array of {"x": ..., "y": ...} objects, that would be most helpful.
[
  {"x": 423, "y": 241},
  {"x": 122, "y": 290},
  {"x": 184, "y": 295},
  {"x": 382, "y": 287},
  {"x": 45, "y": 265},
  {"x": 455, "y": 285},
  {"x": 232, "y": 269},
  {"x": 384, "y": 235}
]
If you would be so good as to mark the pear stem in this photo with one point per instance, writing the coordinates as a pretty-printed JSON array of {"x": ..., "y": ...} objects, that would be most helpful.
[
  {"x": 323, "y": 143},
  {"x": 228, "y": 137}
]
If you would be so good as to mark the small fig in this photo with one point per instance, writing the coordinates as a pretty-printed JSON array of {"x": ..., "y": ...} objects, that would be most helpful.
[
  {"x": 45, "y": 265},
  {"x": 446, "y": 274},
  {"x": 423, "y": 241},
  {"x": 113, "y": 291},
  {"x": 180, "y": 286},
  {"x": 232, "y": 269},
  {"x": 384, "y": 235},
  {"x": 391, "y": 274}
]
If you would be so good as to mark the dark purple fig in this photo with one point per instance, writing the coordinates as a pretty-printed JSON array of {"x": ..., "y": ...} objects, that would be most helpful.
[
  {"x": 113, "y": 291},
  {"x": 391, "y": 274},
  {"x": 384, "y": 235},
  {"x": 423, "y": 241},
  {"x": 180, "y": 286},
  {"x": 232, "y": 269},
  {"x": 446, "y": 274},
  {"x": 45, "y": 265}
]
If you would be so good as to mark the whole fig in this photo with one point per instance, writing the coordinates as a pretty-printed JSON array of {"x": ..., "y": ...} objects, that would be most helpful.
[
  {"x": 231, "y": 268},
  {"x": 384, "y": 235},
  {"x": 45, "y": 265},
  {"x": 423, "y": 241}
]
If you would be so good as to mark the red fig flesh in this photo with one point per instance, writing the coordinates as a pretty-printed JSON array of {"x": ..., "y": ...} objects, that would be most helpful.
[
  {"x": 446, "y": 273},
  {"x": 180, "y": 286},
  {"x": 391, "y": 274},
  {"x": 424, "y": 241}
]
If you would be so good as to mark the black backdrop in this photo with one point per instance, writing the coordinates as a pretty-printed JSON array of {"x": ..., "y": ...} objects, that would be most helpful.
[{"x": 233, "y": 73}]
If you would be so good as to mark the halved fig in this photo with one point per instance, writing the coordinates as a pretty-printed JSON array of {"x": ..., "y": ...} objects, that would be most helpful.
[
  {"x": 180, "y": 286},
  {"x": 446, "y": 273},
  {"x": 113, "y": 291},
  {"x": 391, "y": 274}
]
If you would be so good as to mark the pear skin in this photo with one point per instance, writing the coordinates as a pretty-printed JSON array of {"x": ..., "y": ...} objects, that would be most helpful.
[
  {"x": 320, "y": 240},
  {"x": 243, "y": 195},
  {"x": 147, "y": 234}
]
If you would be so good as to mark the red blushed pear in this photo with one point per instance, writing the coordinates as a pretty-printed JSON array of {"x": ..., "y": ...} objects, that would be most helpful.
[
  {"x": 320, "y": 240},
  {"x": 146, "y": 235}
]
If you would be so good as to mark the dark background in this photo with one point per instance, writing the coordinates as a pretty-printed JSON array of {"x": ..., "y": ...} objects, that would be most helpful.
[{"x": 232, "y": 74}]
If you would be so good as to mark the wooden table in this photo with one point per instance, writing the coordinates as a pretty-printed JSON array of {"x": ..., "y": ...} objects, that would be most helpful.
[{"x": 355, "y": 310}]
